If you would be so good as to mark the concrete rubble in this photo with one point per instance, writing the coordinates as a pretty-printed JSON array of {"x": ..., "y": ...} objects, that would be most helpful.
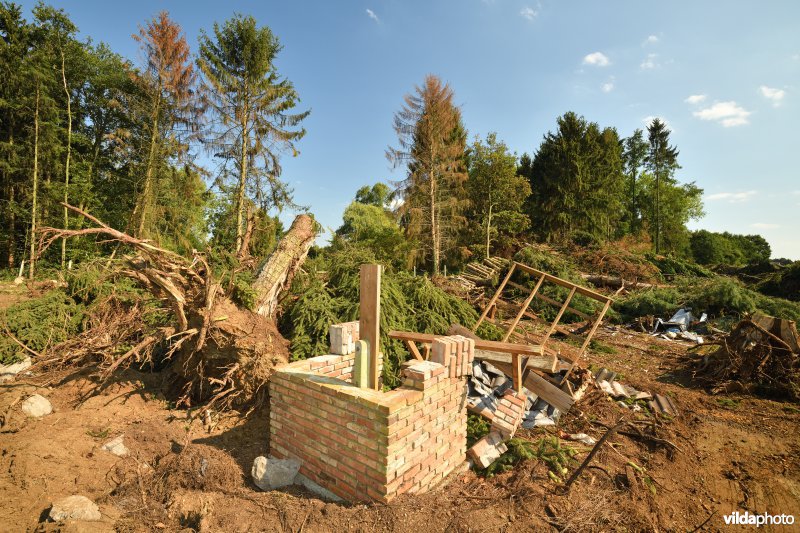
[{"x": 74, "y": 508}]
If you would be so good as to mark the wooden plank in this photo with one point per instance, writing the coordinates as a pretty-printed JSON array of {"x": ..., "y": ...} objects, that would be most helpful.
[
  {"x": 369, "y": 319},
  {"x": 589, "y": 336},
  {"x": 516, "y": 372},
  {"x": 548, "y": 392},
  {"x": 546, "y": 363},
  {"x": 556, "y": 320},
  {"x": 494, "y": 298},
  {"x": 524, "y": 308},
  {"x": 564, "y": 283},
  {"x": 480, "y": 344},
  {"x": 412, "y": 347}
]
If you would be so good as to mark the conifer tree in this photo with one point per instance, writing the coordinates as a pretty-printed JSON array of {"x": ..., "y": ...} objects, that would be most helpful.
[
  {"x": 431, "y": 143},
  {"x": 661, "y": 161},
  {"x": 251, "y": 120}
]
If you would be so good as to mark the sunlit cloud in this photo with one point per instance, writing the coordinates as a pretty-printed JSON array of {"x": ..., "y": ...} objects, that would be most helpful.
[
  {"x": 732, "y": 197},
  {"x": 597, "y": 59},
  {"x": 650, "y": 62},
  {"x": 695, "y": 99},
  {"x": 773, "y": 95},
  {"x": 728, "y": 114},
  {"x": 764, "y": 225},
  {"x": 528, "y": 13},
  {"x": 371, "y": 14},
  {"x": 651, "y": 39}
]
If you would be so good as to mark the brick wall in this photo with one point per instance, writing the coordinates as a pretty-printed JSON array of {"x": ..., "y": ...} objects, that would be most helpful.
[{"x": 363, "y": 444}]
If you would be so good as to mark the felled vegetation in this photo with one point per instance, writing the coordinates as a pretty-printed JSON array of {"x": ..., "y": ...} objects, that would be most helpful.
[{"x": 328, "y": 293}]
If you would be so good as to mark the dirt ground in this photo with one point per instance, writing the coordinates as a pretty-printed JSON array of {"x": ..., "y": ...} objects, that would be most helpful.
[{"x": 734, "y": 453}]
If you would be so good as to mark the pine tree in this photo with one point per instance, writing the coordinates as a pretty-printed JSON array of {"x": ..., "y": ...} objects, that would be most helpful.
[
  {"x": 166, "y": 83},
  {"x": 251, "y": 118},
  {"x": 431, "y": 143},
  {"x": 662, "y": 161},
  {"x": 635, "y": 152}
]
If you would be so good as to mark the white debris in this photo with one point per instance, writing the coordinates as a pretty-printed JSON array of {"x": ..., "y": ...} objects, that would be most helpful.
[{"x": 37, "y": 406}]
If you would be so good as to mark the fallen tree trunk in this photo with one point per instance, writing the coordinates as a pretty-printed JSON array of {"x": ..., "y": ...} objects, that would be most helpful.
[
  {"x": 614, "y": 282},
  {"x": 219, "y": 352},
  {"x": 276, "y": 274}
]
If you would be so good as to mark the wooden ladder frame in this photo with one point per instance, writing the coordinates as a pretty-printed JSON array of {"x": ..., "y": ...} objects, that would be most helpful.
[{"x": 543, "y": 277}]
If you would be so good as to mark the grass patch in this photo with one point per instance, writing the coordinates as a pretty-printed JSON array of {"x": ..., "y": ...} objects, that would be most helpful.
[{"x": 728, "y": 403}]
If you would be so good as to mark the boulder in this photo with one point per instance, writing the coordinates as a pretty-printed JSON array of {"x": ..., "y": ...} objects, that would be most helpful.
[
  {"x": 37, "y": 406},
  {"x": 8, "y": 372},
  {"x": 74, "y": 508},
  {"x": 271, "y": 473},
  {"x": 116, "y": 446}
]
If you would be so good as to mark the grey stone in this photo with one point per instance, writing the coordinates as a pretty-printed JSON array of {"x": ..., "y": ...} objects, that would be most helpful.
[
  {"x": 271, "y": 473},
  {"x": 37, "y": 406},
  {"x": 116, "y": 446},
  {"x": 316, "y": 488},
  {"x": 7, "y": 372},
  {"x": 74, "y": 508}
]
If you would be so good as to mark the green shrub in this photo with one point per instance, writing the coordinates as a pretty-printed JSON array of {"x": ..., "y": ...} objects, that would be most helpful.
[
  {"x": 584, "y": 239},
  {"x": 39, "y": 323},
  {"x": 670, "y": 266}
]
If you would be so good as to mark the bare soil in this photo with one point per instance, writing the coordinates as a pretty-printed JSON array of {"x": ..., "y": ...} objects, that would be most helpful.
[{"x": 182, "y": 473}]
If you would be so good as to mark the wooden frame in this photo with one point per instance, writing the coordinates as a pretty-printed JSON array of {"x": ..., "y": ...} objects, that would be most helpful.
[
  {"x": 543, "y": 277},
  {"x": 521, "y": 357}
]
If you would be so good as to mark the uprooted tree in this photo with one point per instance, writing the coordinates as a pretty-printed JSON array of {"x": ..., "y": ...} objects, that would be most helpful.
[{"x": 218, "y": 351}]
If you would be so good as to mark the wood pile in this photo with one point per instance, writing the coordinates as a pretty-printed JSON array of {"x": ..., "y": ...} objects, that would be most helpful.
[{"x": 761, "y": 354}]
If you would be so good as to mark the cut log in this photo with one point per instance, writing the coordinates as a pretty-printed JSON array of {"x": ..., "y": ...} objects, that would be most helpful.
[{"x": 276, "y": 274}]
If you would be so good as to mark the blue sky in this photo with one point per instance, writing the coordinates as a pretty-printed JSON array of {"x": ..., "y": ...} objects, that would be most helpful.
[{"x": 724, "y": 75}]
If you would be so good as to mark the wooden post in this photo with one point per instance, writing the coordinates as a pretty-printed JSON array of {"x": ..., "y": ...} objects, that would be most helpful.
[
  {"x": 522, "y": 309},
  {"x": 495, "y": 297},
  {"x": 369, "y": 320}
]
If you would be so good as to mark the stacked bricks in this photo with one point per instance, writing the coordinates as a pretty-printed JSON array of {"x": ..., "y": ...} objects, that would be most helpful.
[
  {"x": 363, "y": 444},
  {"x": 509, "y": 413},
  {"x": 487, "y": 449},
  {"x": 455, "y": 353},
  {"x": 344, "y": 338}
]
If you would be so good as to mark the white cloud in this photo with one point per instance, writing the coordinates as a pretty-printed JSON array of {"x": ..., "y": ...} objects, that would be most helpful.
[
  {"x": 650, "y": 62},
  {"x": 764, "y": 225},
  {"x": 774, "y": 95},
  {"x": 608, "y": 86},
  {"x": 695, "y": 99},
  {"x": 528, "y": 13},
  {"x": 732, "y": 197},
  {"x": 651, "y": 39},
  {"x": 597, "y": 59},
  {"x": 726, "y": 113},
  {"x": 371, "y": 14}
]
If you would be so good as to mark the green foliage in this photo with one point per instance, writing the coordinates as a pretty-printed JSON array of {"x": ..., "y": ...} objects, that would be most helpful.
[
  {"x": 328, "y": 293},
  {"x": 709, "y": 248},
  {"x": 584, "y": 239},
  {"x": 671, "y": 266},
  {"x": 242, "y": 291},
  {"x": 39, "y": 323},
  {"x": 577, "y": 181},
  {"x": 718, "y": 296},
  {"x": 375, "y": 228},
  {"x": 783, "y": 284},
  {"x": 557, "y": 456},
  {"x": 477, "y": 428}
]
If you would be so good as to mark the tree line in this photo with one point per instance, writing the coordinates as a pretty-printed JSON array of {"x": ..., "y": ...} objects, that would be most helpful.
[{"x": 80, "y": 124}]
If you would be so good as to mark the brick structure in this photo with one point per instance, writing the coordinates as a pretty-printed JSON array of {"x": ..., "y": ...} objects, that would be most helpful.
[
  {"x": 363, "y": 444},
  {"x": 509, "y": 413}
]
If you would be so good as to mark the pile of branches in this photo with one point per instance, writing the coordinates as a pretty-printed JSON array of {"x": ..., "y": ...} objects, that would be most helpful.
[
  {"x": 218, "y": 352},
  {"x": 760, "y": 354}
]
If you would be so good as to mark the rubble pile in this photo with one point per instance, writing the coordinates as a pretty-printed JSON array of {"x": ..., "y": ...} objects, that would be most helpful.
[{"x": 761, "y": 354}]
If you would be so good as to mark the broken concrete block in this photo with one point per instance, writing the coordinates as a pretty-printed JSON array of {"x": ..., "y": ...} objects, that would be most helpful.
[
  {"x": 116, "y": 446},
  {"x": 37, "y": 406},
  {"x": 8, "y": 372},
  {"x": 271, "y": 473},
  {"x": 343, "y": 338},
  {"x": 74, "y": 508},
  {"x": 487, "y": 450}
]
